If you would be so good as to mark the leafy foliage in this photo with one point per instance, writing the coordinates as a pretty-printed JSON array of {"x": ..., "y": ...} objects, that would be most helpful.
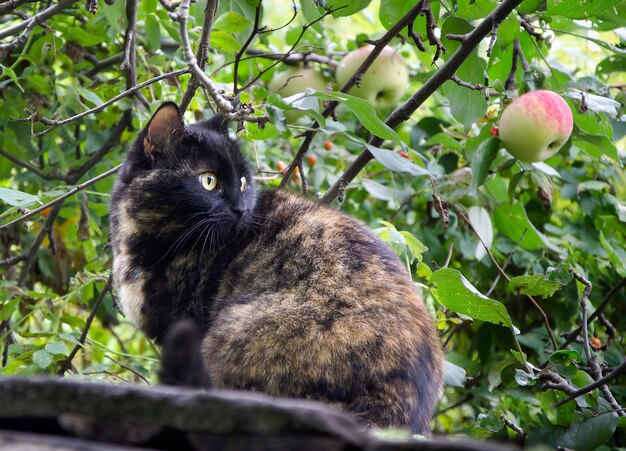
[{"x": 483, "y": 233}]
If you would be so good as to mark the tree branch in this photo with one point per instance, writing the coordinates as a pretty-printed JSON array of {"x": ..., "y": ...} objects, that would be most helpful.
[
  {"x": 31, "y": 167},
  {"x": 45, "y": 230},
  {"x": 621, "y": 368},
  {"x": 66, "y": 363},
  {"x": 292, "y": 58},
  {"x": 407, "y": 19},
  {"x": 54, "y": 124},
  {"x": 255, "y": 30},
  {"x": 596, "y": 372},
  {"x": 8, "y": 6},
  {"x": 59, "y": 199},
  {"x": 223, "y": 104},
  {"x": 37, "y": 18},
  {"x": 129, "y": 63},
  {"x": 447, "y": 70},
  {"x": 202, "y": 52},
  {"x": 605, "y": 302}
]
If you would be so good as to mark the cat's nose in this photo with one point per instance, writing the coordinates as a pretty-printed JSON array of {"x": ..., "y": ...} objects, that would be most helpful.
[{"x": 238, "y": 211}]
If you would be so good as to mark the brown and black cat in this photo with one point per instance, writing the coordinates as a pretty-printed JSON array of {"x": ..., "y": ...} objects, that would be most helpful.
[{"x": 291, "y": 298}]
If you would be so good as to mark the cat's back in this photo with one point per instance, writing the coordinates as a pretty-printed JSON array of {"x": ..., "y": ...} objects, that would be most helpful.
[{"x": 316, "y": 306}]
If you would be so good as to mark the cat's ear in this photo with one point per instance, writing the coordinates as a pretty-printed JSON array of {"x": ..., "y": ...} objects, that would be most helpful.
[
  {"x": 217, "y": 123},
  {"x": 165, "y": 129}
]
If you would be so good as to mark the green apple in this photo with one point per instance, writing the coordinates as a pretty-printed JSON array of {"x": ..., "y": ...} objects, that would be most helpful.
[
  {"x": 536, "y": 125},
  {"x": 293, "y": 81},
  {"x": 385, "y": 81}
]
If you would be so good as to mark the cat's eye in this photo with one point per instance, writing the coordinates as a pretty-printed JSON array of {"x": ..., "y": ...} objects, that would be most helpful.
[
  {"x": 244, "y": 184},
  {"x": 208, "y": 180}
]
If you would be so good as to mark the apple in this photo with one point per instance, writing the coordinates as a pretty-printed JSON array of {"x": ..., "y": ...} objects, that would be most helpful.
[
  {"x": 536, "y": 125},
  {"x": 293, "y": 81},
  {"x": 385, "y": 81}
]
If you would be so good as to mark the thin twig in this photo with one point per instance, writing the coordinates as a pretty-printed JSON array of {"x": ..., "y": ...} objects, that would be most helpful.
[
  {"x": 305, "y": 27},
  {"x": 492, "y": 41},
  {"x": 605, "y": 302},
  {"x": 522, "y": 57},
  {"x": 128, "y": 368},
  {"x": 519, "y": 432},
  {"x": 621, "y": 368},
  {"x": 10, "y": 261},
  {"x": 224, "y": 105},
  {"x": 556, "y": 382},
  {"x": 596, "y": 371},
  {"x": 509, "y": 83},
  {"x": 465, "y": 84},
  {"x": 34, "y": 248},
  {"x": 506, "y": 262},
  {"x": 54, "y": 124},
  {"x": 66, "y": 363},
  {"x": 9, "y": 6},
  {"x": 293, "y": 58},
  {"x": 408, "y": 18},
  {"x": 112, "y": 141},
  {"x": 255, "y": 30},
  {"x": 404, "y": 111},
  {"x": 202, "y": 52},
  {"x": 431, "y": 26},
  {"x": 31, "y": 167},
  {"x": 38, "y": 18},
  {"x": 59, "y": 199},
  {"x": 129, "y": 63}
]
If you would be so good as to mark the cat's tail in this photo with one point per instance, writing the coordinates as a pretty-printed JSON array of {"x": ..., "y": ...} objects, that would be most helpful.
[{"x": 181, "y": 361}]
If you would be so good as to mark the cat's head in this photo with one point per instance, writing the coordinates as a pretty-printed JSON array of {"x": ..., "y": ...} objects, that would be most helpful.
[{"x": 181, "y": 178}]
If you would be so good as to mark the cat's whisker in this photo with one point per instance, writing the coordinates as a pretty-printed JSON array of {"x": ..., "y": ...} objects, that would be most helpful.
[{"x": 180, "y": 241}]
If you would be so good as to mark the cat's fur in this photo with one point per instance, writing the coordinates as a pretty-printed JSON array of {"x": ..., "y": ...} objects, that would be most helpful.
[{"x": 292, "y": 298}]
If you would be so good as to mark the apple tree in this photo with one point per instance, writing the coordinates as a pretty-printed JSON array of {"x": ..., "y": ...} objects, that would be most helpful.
[{"x": 400, "y": 113}]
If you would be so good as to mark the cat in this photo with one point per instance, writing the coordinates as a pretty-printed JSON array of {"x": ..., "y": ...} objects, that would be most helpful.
[{"x": 291, "y": 298}]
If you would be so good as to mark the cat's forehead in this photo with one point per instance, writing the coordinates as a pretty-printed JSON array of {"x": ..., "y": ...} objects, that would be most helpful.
[{"x": 210, "y": 150}]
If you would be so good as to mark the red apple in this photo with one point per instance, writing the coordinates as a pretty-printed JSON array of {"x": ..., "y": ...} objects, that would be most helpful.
[
  {"x": 385, "y": 81},
  {"x": 536, "y": 125}
]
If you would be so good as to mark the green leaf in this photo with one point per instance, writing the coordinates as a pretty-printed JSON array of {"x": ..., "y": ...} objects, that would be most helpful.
[
  {"x": 88, "y": 95},
  {"x": 8, "y": 308},
  {"x": 365, "y": 113},
  {"x": 466, "y": 105},
  {"x": 508, "y": 31},
  {"x": 459, "y": 295},
  {"x": 57, "y": 348},
  {"x": 231, "y": 22},
  {"x": 584, "y": 435},
  {"x": 416, "y": 247},
  {"x": 534, "y": 285},
  {"x": 565, "y": 362},
  {"x": 345, "y": 8},
  {"x": 512, "y": 221},
  {"x": 475, "y": 9},
  {"x": 225, "y": 41},
  {"x": 17, "y": 198},
  {"x": 481, "y": 222},
  {"x": 495, "y": 374},
  {"x": 596, "y": 145},
  {"x": 153, "y": 32},
  {"x": 454, "y": 375},
  {"x": 311, "y": 13},
  {"x": 83, "y": 37},
  {"x": 393, "y": 161},
  {"x": 391, "y": 11},
  {"x": 580, "y": 9},
  {"x": 42, "y": 358},
  {"x": 490, "y": 421},
  {"x": 483, "y": 158},
  {"x": 8, "y": 72}
]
